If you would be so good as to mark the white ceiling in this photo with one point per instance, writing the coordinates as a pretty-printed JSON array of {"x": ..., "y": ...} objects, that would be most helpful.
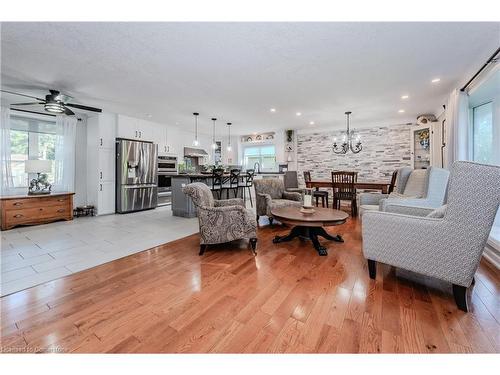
[{"x": 238, "y": 71}]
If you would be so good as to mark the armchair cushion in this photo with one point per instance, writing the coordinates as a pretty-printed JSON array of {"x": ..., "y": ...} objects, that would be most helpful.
[
  {"x": 415, "y": 186},
  {"x": 293, "y": 196}
]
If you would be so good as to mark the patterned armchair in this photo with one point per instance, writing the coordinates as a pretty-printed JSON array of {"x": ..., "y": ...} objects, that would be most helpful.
[
  {"x": 270, "y": 193},
  {"x": 446, "y": 244},
  {"x": 414, "y": 188},
  {"x": 221, "y": 221}
]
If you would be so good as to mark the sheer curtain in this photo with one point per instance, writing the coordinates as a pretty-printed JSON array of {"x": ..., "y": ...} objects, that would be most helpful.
[
  {"x": 64, "y": 164},
  {"x": 457, "y": 128},
  {"x": 7, "y": 186}
]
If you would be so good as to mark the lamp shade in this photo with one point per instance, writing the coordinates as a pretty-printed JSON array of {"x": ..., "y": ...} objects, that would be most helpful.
[{"x": 37, "y": 166}]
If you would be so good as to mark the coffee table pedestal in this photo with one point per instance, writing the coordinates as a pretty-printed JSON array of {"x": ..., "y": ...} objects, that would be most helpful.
[
  {"x": 312, "y": 234},
  {"x": 309, "y": 226}
]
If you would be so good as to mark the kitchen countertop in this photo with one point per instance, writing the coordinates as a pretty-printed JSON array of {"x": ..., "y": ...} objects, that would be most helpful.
[{"x": 207, "y": 175}]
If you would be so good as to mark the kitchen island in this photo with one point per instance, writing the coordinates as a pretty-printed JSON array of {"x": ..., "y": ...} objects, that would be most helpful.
[{"x": 182, "y": 204}]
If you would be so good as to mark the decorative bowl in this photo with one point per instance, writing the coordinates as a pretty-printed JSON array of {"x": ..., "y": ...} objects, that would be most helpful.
[{"x": 307, "y": 210}]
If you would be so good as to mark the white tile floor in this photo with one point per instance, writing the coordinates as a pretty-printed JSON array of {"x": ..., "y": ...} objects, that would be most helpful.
[{"x": 34, "y": 255}]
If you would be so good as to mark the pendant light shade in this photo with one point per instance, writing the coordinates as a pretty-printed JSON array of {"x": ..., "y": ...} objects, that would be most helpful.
[
  {"x": 195, "y": 141},
  {"x": 229, "y": 148},
  {"x": 214, "y": 145}
]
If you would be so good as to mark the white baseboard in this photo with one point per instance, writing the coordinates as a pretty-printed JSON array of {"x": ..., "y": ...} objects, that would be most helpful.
[{"x": 492, "y": 255}]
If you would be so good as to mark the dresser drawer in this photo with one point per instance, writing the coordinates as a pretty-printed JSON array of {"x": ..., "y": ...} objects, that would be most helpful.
[
  {"x": 33, "y": 214},
  {"x": 23, "y": 203}
]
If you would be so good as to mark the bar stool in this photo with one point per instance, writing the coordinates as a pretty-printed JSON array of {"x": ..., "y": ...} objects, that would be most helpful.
[
  {"x": 217, "y": 182},
  {"x": 323, "y": 194},
  {"x": 234, "y": 182},
  {"x": 248, "y": 183}
]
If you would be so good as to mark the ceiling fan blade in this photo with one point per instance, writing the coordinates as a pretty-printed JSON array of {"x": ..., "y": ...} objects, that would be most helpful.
[
  {"x": 27, "y": 103},
  {"x": 84, "y": 107},
  {"x": 27, "y": 96},
  {"x": 68, "y": 112}
]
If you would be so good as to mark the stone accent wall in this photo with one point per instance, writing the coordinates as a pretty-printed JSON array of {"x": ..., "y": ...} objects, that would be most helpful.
[{"x": 384, "y": 150}]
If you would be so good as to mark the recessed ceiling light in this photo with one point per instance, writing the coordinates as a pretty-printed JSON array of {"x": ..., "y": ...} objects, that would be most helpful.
[
  {"x": 435, "y": 80},
  {"x": 401, "y": 111},
  {"x": 273, "y": 109},
  {"x": 405, "y": 97},
  {"x": 311, "y": 122},
  {"x": 298, "y": 114}
]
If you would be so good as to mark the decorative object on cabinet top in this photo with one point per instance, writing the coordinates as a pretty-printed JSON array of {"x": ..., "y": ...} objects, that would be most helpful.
[{"x": 258, "y": 137}]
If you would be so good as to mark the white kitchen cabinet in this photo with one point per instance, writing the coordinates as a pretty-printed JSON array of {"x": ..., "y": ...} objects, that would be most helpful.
[
  {"x": 101, "y": 134},
  {"x": 106, "y": 198},
  {"x": 107, "y": 131},
  {"x": 135, "y": 129},
  {"x": 107, "y": 161},
  {"x": 160, "y": 138},
  {"x": 172, "y": 140},
  {"x": 127, "y": 127}
]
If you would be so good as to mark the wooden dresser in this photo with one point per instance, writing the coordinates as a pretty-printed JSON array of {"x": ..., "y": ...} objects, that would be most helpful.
[{"x": 33, "y": 209}]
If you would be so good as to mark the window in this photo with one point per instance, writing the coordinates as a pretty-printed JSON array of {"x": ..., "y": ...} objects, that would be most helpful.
[
  {"x": 482, "y": 128},
  {"x": 31, "y": 139},
  {"x": 264, "y": 155}
]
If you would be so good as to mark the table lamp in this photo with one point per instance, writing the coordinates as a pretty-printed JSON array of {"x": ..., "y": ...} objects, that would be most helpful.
[{"x": 38, "y": 185}]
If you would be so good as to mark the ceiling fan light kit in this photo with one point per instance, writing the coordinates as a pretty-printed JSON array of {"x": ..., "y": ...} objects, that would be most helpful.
[{"x": 54, "y": 103}]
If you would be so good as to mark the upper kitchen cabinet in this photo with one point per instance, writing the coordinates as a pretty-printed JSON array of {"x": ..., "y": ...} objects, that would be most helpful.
[
  {"x": 165, "y": 137},
  {"x": 102, "y": 130},
  {"x": 135, "y": 129},
  {"x": 172, "y": 140}
]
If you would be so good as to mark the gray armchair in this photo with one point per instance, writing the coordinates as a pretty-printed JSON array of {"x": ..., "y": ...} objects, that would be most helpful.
[
  {"x": 221, "y": 221},
  {"x": 448, "y": 247},
  {"x": 270, "y": 193},
  {"x": 371, "y": 201},
  {"x": 425, "y": 188}
]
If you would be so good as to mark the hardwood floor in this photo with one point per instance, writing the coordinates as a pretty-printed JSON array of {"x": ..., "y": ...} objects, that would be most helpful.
[{"x": 285, "y": 300}]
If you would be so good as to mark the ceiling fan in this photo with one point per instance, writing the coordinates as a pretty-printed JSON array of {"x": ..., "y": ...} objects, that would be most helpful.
[{"x": 55, "y": 102}]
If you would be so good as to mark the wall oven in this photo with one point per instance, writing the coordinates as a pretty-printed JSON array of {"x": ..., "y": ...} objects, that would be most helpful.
[{"x": 167, "y": 164}]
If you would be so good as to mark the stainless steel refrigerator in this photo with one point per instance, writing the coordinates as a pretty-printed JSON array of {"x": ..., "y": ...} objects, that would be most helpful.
[{"x": 136, "y": 175}]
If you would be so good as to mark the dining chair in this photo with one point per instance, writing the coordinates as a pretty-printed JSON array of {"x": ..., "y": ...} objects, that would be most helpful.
[
  {"x": 217, "y": 181},
  {"x": 344, "y": 189},
  {"x": 394, "y": 177},
  {"x": 317, "y": 193},
  {"x": 292, "y": 182},
  {"x": 247, "y": 184}
]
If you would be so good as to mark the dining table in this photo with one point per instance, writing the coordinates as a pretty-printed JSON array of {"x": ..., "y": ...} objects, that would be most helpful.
[{"x": 383, "y": 186}]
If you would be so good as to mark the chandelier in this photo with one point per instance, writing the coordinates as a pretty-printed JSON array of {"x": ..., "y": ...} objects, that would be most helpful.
[{"x": 350, "y": 141}]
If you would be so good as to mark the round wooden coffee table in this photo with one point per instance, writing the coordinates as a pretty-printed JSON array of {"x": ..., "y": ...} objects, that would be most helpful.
[{"x": 310, "y": 225}]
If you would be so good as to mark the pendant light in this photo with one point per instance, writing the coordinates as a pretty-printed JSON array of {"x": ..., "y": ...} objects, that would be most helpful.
[
  {"x": 350, "y": 141},
  {"x": 229, "y": 136},
  {"x": 214, "y": 145},
  {"x": 195, "y": 142}
]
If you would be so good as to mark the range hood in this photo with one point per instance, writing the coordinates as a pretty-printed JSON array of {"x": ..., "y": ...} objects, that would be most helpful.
[{"x": 194, "y": 152}]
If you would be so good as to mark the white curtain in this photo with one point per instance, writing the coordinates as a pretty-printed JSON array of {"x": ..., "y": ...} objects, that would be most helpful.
[
  {"x": 457, "y": 128},
  {"x": 64, "y": 166},
  {"x": 7, "y": 186}
]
